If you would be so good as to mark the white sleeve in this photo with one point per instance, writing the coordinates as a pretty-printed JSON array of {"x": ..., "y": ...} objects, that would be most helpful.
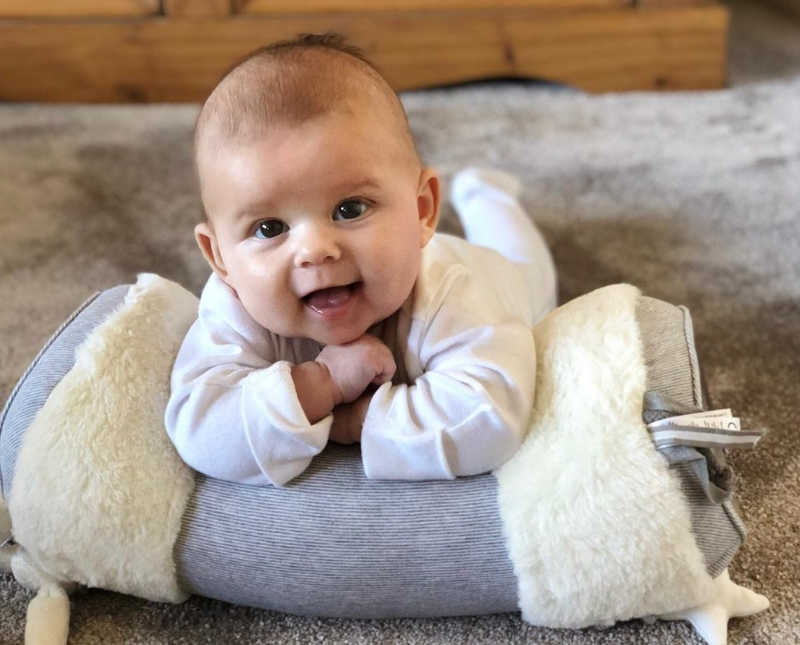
[
  {"x": 468, "y": 411},
  {"x": 233, "y": 414}
]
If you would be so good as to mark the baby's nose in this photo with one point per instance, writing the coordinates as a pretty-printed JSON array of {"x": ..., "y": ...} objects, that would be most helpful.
[{"x": 315, "y": 247}]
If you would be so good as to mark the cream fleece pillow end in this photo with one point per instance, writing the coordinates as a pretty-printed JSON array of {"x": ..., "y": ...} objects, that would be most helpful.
[{"x": 98, "y": 496}]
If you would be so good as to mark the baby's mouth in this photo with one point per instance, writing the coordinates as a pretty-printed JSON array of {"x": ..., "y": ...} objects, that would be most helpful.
[{"x": 326, "y": 300}]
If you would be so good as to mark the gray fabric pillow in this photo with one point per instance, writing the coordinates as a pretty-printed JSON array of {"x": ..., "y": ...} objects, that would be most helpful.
[{"x": 336, "y": 544}]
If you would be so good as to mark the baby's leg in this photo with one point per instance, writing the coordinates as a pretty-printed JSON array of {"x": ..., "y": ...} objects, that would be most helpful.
[{"x": 486, "y": 202}]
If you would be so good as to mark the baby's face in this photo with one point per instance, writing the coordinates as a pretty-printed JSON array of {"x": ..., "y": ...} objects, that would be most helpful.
[{"x": 319, "y": 228}]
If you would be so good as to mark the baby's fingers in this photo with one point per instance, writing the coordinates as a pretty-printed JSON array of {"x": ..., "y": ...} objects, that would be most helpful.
[{"x": 387, "y": 371}]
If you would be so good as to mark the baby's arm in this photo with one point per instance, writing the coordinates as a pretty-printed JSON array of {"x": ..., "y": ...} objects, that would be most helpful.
[
  {"x": 467, "y": 412},
  {"x": 240, "y": 422},
  {"x": 238, "y": 410},
  {"x": 315, "y": 389}
]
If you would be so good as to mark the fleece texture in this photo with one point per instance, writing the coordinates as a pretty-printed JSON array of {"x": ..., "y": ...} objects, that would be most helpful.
[
  {"x": 596, "y": 526},
  {"x": 97, "y": 496}
]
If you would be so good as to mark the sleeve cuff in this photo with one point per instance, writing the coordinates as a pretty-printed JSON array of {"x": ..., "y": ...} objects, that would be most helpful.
[
  {"x": 394, "y": 453},
  {"x": 281, "y": 439}
]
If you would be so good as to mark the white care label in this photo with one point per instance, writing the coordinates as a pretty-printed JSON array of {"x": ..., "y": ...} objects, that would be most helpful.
[
  {"x": 712, "y": 428},
  {"x": 712, "y": 419}
]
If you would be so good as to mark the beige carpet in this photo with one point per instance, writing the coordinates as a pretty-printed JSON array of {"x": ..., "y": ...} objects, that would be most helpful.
[{"x": 693, "y": 197}]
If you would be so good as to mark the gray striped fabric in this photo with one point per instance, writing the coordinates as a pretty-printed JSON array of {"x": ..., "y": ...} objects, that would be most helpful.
[
  {"x": 717, "y": 528},
  {"x": 673, "y": 370},
  {"x": 333, "y": 543},
  {"x": 336, "y": 544},
  {"x": 669, "y": 352},
  {"x": 54, "y": 360}
]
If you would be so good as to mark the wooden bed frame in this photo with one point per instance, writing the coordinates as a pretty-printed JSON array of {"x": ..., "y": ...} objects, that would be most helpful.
[{"x": 175, "y": 50}]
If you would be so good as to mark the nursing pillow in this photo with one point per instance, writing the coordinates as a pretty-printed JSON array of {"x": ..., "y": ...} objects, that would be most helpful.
[{"x": 598, "y": 518}]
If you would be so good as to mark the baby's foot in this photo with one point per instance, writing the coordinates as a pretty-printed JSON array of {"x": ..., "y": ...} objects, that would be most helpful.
[{"x": 471, "y": 182}]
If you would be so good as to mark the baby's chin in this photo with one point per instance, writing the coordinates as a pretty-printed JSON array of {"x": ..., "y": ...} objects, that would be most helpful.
[{"x": 337, "y": 337}]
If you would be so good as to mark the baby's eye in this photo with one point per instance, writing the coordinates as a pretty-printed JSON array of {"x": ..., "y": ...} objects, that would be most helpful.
[
  {"x": 270, "y": 228},
  {"x": 350, "y": 209}
]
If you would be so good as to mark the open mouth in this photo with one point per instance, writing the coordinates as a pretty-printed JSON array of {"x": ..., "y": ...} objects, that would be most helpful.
[{"x": 331, "y": 299}]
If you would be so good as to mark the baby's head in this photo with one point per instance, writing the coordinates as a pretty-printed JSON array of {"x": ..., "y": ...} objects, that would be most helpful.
[{"x": 317, "y": 204}]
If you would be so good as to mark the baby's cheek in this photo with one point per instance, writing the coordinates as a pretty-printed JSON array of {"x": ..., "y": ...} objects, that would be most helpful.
[{"x": 261, "y": 307}]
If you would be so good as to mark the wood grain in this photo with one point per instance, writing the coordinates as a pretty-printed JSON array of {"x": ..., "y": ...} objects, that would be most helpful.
[
  {"x": 310, "y": 6},
  {"x": 83, "y": 8},
  {"x": 667, "y": 3},
  {"x": 193, "y": 8},
  {"x": 170, "y": 59}
]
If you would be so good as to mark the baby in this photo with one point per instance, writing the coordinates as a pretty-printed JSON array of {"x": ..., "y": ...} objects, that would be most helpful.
[{"x": 329, "y": 281}]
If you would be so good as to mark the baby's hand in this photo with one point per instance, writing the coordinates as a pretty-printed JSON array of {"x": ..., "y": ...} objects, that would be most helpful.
[
  {"x": 356, "y": 364},
  {"x": 348, "y": 419}
]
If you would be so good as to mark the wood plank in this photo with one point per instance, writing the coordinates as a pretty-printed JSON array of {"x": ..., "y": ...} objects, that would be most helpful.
[
  {"x": 180, "y": 60},
  {"x": 75, "y": 8},
  {"x": 667, "y": 3},
  {"x": 194, "y": 8},
  {"x": 670, "y": 48},
  {"x": 310, "y": 6}
]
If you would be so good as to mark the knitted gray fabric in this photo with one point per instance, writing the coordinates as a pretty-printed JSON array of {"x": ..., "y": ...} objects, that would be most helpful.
[{"x": 334, "y": 543}]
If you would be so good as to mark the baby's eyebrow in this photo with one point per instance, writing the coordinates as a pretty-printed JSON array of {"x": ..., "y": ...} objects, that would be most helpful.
[
  {"x": 350, "y": 186},
  {"x": 250, "y": 209},
  {"x": 345, "y": 187}
]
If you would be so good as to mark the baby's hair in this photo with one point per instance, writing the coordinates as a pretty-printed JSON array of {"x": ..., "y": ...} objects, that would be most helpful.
[
  {"x": 289, "y": 82},
  {"x": 329, "y": 40}
]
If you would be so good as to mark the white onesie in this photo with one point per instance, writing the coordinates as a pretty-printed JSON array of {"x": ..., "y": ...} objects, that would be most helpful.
[{"x": 461, "y": 398}]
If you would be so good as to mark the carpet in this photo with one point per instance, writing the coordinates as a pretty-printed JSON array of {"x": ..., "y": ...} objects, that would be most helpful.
[{"x": 693, "y": 197}]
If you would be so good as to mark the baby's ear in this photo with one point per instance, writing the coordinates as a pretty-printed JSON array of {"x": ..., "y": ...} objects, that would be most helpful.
[
  {"x": 207, "y": 241},
  {"x": 428, "y": 200}
]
